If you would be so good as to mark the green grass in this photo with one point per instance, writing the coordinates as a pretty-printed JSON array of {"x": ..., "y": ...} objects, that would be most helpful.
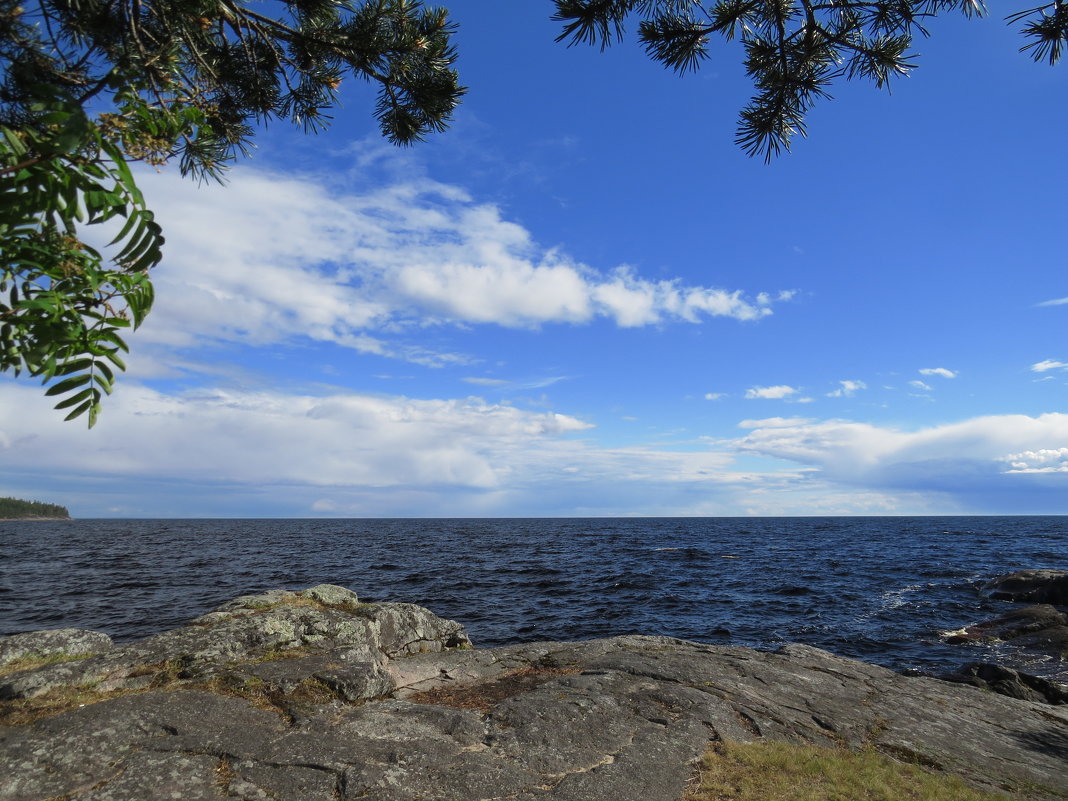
[{"x": 766, "y": 771}]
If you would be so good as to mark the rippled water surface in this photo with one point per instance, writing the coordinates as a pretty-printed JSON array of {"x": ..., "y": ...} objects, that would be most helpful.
[{"x": 879, "y": 589}]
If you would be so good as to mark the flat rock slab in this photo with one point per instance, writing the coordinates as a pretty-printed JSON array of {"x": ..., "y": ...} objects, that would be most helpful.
[{"x": 615, "y": 719}]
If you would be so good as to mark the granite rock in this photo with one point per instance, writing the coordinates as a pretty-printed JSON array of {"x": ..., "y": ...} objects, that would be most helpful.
[
  {"x": 403, "y": 715},
  {"x": 52, "y": 643},
  {"x": 1013, "y": 683},
  {"x": 1033, "y": 586},
  {"x": 249, "y": 630}
]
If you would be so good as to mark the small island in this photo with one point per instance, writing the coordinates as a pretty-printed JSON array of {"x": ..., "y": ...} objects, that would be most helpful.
[{"x": 14, "y": 509}]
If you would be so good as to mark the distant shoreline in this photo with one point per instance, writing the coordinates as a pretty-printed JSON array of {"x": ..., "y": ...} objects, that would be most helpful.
[
  {"x": 14, "y": 509},
  {"x": 32, "y": 517}
]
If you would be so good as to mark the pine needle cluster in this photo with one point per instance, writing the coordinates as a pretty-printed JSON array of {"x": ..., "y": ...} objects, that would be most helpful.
[
  {"x": 794, "y": 50},
  {"x": 87, "y": 86}
]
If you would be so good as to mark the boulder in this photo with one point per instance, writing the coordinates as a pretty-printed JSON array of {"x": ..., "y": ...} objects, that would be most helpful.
[
  {"x": 1041, "y": 628},
  {"x": 1017, "y": 623},
  {"x": 1033, "y": 586},
  {"x": 389, "y": 703},
  {"x": 1013, "y": 683},
  {"x": 273, "y": 626},
  {"x": 332, "y": 595}
]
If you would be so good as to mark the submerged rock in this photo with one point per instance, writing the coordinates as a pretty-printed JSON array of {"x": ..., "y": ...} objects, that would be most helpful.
[
  {"x": 1030, "y": 625},
  {"x": 1033, "y": 586},
  {"x": 1013, "y": 683},
  {"x": 1041, "y": 628},
  {"x": 286, "y": 697}
]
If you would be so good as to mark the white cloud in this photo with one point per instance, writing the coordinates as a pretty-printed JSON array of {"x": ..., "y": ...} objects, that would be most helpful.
[
  {"x": 942, "y": 371},
  {"x": 775, "y": 422},
  {"x": 348, "y": 453},
  {"x": 528, "y": 383},
  {"x": 249, "y": 437},
  {"x": 269, "y": 259},
  {"x": 345, "y": 453},
  {"x": 920, "y": 385},
  {"x": 216, "y": 452},
  {"x": 771, "y": 393},
  {"x": 847, "y": 389},
  {"x": 1048, "y": 364},
  {"x": 1055, "y": 302},
  {"x": 1044, "y": 460},
  {"x": 977, "y": 463},
  {"x": 714, "y": 395}
]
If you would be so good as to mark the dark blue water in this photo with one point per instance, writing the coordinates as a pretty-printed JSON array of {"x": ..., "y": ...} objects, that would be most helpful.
[{"x": 877, "y": 588}]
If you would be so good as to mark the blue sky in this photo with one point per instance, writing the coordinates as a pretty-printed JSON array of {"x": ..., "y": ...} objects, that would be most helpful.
[{"x": 585, "y": 300}]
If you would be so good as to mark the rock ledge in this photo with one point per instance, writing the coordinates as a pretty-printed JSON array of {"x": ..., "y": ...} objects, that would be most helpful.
[{"x": 313, "y": 696}]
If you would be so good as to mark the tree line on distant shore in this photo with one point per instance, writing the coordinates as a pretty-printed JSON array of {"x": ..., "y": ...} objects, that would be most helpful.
[{"x": 13, "y": 507}]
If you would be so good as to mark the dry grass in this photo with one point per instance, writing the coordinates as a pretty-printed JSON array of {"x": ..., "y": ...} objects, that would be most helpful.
[
  {"x": 275, "y": 655},
  {"x": 266, "y": 696},
  {"x": 35, "y": 660},
  {"x": 166, "y": 676},
  {"x": 766, "y": 771},
  {"x": 21, "y": 711},
  {"x": 224, "y": 775},
  {"x": 486, "y": 695},
  {"x": 169, "y": 676}
]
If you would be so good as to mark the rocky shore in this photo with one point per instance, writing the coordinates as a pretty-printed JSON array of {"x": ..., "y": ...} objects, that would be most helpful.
[
  {"x": 1041, "y": 628},
  {"x": 313, "y": 695},
  {"x": 32, "y": 518}
]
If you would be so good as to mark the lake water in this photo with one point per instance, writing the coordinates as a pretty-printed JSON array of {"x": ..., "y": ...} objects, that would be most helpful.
[{"x": 875, "y": 588}]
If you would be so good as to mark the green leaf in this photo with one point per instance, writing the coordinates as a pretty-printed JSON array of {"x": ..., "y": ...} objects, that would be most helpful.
[
  {"x": 86, "y": 406},
  {"x": 68, "y": 384},
  {"x": 77, "y": 365},
  {"x": 76, "y": 398},
  {"x": 131, "y": 221},
  {"x": 111, "y": 336}
]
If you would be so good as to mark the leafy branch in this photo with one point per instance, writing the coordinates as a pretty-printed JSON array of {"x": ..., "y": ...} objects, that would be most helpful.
[
  {"x": 87, "y": 86},
  {"x": 794, "y": 49},
  {"x": 62, "y": 306}
]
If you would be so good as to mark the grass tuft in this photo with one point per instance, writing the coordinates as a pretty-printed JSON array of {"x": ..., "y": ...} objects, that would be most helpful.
[
  {"x": 224, "y": 775},
  {"x": 32, "y": 661},
  {"x": 768, "y": 771},
  {"x": 168, "y": 676},
  {"x": 20, "y": 711},
  {"x": 275, "y": 655}
]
